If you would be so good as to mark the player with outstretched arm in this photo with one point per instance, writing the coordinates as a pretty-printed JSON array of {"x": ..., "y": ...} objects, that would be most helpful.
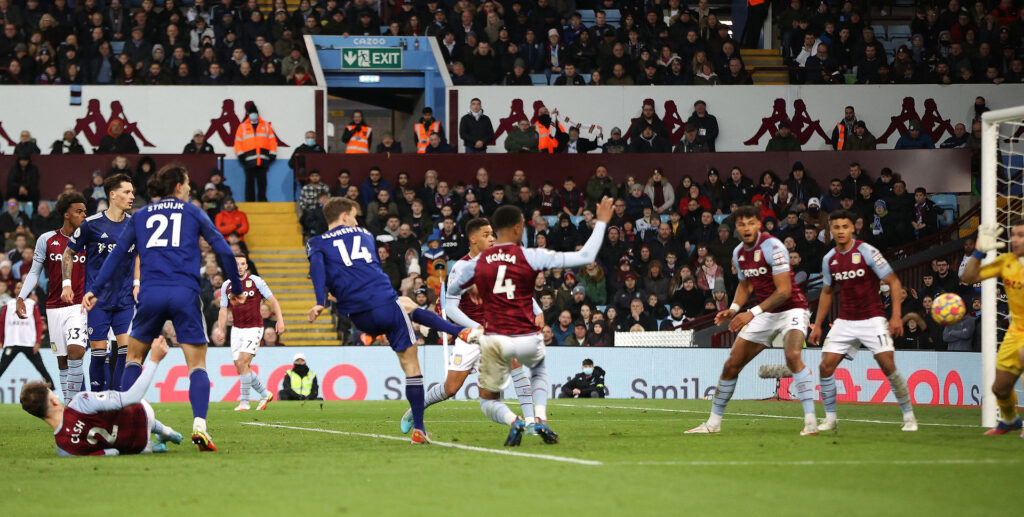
[
  {"x": 166, "y": 233},
  {"x": 340, "y": 262},
  {"x": 854, "y": 269},
  {"x": 762, "y": 264},
  {"x": 104, "y": 423}
]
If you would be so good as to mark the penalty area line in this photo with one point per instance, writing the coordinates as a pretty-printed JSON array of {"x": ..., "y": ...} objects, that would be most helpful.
[
  {"x": 432, "y": 442},
  {"x": 814, "y": 463}
]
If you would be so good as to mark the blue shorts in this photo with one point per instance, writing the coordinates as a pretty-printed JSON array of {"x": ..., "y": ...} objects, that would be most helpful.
[
  {"x": 182, "y": 306},
  {"x": 390, "y": 320},
  {"x": 102, "y": 320}
]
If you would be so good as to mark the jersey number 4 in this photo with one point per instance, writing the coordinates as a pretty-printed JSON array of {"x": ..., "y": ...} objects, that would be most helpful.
[
  {"x": 157, "y": 240},
  {"x": 504, "y": 285},
  {"x": 109, "y": 437},
  {"x": 359, "y": 252}
]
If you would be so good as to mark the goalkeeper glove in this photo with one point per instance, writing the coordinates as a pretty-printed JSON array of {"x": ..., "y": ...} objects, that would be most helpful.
[{"x": 988, "y": 239}]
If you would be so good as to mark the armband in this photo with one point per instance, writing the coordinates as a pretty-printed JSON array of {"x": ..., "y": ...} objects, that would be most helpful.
[
  {"x": 66, "y": 283},
  {"x": 756, "y": 310},
  {"x": 978, "y": 254},
  {"x": 136, "y": 282},
  {"x": 734, "y": 307}
]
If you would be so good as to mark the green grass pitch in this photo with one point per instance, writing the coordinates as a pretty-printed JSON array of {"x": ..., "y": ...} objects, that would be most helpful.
[{"x": 616, "y": 457}]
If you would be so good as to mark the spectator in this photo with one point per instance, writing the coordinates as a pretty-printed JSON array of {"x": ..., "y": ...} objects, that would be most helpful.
[
  {"x": 784, "y": 140},
  {"x": 231, "y": 220},
  {"x": 914, "y": 138},
  {"x": 601, "y": 333},
  {"x": 572, "y": 143},
  {"x": 660, "y": 192},
  {"x": 569, "y": 76},
  {"x": 706, "y": 123},
  {"x": 23, "y": 180},
  {"x": 589, "y": 383},
  {"x": 629, "y": 292},
  {"x": 615, "y": 143},
  {"x": 437, "y": 145},
  {"x": 13, "y": 220},
  {"x": 638, "y": 317},
  {"x": 68, "y": 144},
  {"x": 300, "y": 382},
  {"x": 427, "y": 126},
  {"x": 256, "y": 148},
  {"x": 648, "y": 141},
  {"x": 925, "y": 215},
  {"x": 475, "y": 129},
  {"x": 309, "y": 146},
  {"x": 844, "y": 128},
  {"x": 648, "y": 118},
  {"x": 958, "y": 140},
  {"x": 311, "y": 191},
  {"x": 563, "y": 328},
  {"x": 116, "y": 141},
  {"x": 522, "y": 140},
  {"x": 373, "y": 184},
  {"x": 26, "y": 145},
  {"x": 198, "y": 144},
  {"x": 960, "y": 336},
  {"x": 358, "y": 136},
  {"x": 579, "y": 335},
  {"x": 44, "y": 219},
  {"x": 691, "y": 142}
]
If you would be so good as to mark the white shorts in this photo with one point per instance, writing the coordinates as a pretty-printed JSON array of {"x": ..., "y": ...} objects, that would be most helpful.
[
  {"x": 765, "y": 326},
  {"x": 847, "y": 336},
  {"x": 67, "y": 327},
  {"x": 496, "y": 352},
  {"x": 464, "y": 357},
  {"x": 245, "y": 340}
]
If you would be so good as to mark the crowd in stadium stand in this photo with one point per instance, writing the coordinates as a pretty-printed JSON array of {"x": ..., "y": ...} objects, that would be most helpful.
[{"x": 667, "y": 255}]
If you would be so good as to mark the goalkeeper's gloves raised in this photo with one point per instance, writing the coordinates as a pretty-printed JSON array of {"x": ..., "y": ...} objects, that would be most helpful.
[{"x": 988, "y": 240}]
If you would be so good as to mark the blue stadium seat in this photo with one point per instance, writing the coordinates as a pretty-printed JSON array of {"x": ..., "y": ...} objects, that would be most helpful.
[
  {"x": 587, "y": 15},
  {"x": 880, "y": 32},
  {"x": 898, "y": 32},
  {"x": 948, "y": 204},
  {"x": 720, "y": 217},
  {"x": 539, "y": 79},
  {"x": 612, "y": 17},
  {"x": 664, "y": 218},
  {"x": 552, "y": 220},
  {"x": 586, "y": 78},
  {"x": 575, "y": 219},
  {"x": 1013, "y": 166},
  {"x": 116, "y": 47},
  {"x": 602, "y": 308}
]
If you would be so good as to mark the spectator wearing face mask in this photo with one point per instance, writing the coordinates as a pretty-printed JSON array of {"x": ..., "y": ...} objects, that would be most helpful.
[
  {"x": 300, "y": 382},
  {"x": 256, "y": 147},
  {"x": 589, "y": 383}
]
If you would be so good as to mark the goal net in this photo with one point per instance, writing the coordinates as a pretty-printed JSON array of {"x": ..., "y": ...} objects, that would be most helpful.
[{"x": 1002, "y": 201}]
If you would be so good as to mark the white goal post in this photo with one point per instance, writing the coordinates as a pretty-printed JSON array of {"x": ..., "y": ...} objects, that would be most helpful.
[{"x": 1002, "y": 188}]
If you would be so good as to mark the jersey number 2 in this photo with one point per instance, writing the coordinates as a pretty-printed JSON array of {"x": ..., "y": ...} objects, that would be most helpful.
[
  {"x": 504, "y": 285},
  {"x": 157, "y": 240},
  {"x": 358, "y": 252},
  {"x": 110, "y": 437}
]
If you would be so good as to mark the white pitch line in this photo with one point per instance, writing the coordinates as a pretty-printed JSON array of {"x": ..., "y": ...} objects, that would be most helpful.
[
  {"x": 439, "y": 444},
  {"x": 754, "y": 415},
  {"x": 820, "y": 462}
]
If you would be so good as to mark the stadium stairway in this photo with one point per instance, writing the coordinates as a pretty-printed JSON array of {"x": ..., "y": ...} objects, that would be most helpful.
[
  {"x": 761, "y": 58},
  {"x": 275, "y": 246}
]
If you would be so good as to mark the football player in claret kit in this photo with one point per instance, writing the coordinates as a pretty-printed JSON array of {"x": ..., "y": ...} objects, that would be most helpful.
[
  {"x": 105, "y": 423},
  {"x": 1009, "y": 267},
  {"x": 65, "y": 319},
  {"x": 854, "y": 268},
  {"x": 167, "y": 235},
  {"x": 464, "y": 308},
  {"x": 504, "y": 278},
  {"x": 340, "y": 262},
  {"x": 247, "y": 331},
  {"x": 96, "y": 238},
  {"x": 762, "y": 264}
]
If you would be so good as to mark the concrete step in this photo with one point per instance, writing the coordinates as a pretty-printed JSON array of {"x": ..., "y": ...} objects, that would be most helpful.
[
  {"x": 276, "y": 260},
  {"x": 284, "y": 207},
  {"x": 759, "y": 52},
  {"x": 304, "y": 326},
  {"x": 297, "y": 252}
]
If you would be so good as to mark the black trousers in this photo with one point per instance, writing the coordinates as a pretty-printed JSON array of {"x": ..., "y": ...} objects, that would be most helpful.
[
  {"x": 756, "y": 15},
  {"x": 10, "y": 352},
  {"x": 256, "y": 182}
]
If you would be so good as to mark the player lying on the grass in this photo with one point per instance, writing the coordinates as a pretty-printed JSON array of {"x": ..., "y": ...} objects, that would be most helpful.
[
  {"x": 854, "y": 268},
  {"x": 340, "y": 262},
  {"x": 96, "y": 237},
  {"x": 762, "y": 264},
  {"x": 167, "y": 234},
  {"x": 1007, "y": 266},
  {"x": 106, "y": 422},
  {"x": 504, "y": 277},
  {"x": 247, "y": 331},
  {"x": 465, "y": 309}
]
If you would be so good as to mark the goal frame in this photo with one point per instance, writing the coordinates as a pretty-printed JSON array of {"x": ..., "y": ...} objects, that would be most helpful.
[{"x": 989, "y": 289}]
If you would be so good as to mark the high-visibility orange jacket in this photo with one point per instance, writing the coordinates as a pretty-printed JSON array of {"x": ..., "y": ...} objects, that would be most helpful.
[
  {"x": 547, "y": 143},
  {"x": 359, "y": 143},
  {"x": 233, "y": 221},
  {"x": 423, "y": 135},
  {"x": 255, "y": 146}
]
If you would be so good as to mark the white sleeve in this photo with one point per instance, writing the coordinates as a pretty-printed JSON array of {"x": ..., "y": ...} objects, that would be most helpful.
[
  {"x": 224, "y": 295},
  {"x": 457, "y": 285},
  {"x": 736, "y": 264},
  {"x": 536, "y": 308},
  {"x": 541, "y": 259},
  {"x": 875, "y": 260},
  {"x": 29, "y": 284},
  {"x": 826, "y": 271},
  {"x": 776, "y": 255},
  {"x": 262, "y": 286}
]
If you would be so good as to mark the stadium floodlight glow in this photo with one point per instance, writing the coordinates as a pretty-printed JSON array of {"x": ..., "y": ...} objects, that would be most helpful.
[
  {"x": 1002, "y": 149},
  {"x": 369, "y": 78}
]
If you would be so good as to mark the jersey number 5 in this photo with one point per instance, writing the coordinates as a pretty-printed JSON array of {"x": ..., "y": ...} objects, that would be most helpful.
[
  {"x": 359, "y": 252},
  {"x": 503, "y": 285},
  {"x": 157, "y": 240},
  {"x": 110, "y": 437}
]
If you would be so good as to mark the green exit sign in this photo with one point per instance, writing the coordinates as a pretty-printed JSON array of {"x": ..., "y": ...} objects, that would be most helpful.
[{"x": 371, "y": 59}]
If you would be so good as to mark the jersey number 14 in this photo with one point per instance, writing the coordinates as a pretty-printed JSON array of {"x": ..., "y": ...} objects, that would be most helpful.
[{"x": 358, "y": 252}]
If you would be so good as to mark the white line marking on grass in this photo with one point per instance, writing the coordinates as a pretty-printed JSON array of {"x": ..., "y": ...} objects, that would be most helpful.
[
  {"x": 439, "y": 444},
  {"x": 754, "y": 415},
  {"x": 819, "y": 462}
]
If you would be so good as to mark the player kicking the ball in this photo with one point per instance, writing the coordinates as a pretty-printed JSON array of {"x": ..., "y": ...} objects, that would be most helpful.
[
  {"x": 167, "y": 235},
  {"x": 247, "y": 331},
  {"x": 105, "y": 423},
  {"x": 504, "y": 278},
  {"x": 1007, "y": 266},
  {"x": 465, "y": 309},
  {"x": 762, "y": 264},
  {"x": 340, "y": 262},
  {"x": 854, "y": 268}
]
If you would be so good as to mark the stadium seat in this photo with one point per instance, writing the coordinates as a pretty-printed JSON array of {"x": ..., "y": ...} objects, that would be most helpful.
[
  {"x": 898, "y": 32},
  {"x": 720, "y": 217},
  {"x": 552, "y": 220},
  {"x": 586, "y": 78},
  {"x": 116, "y": 47},
  {"x": 575, "y": 219},
  {"x": 612, "y": 16},
  {"x": 664, "y": 218},
  {"x": 948, "y": 204},
  {"x": 587, "y": 15},
  {"x": 539, "y": 79},
  {"x": 880, "y": 32}
]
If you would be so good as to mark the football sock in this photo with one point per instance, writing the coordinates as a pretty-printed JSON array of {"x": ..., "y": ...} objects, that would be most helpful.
[
  {"x": 64, "y": 385},
  {"x": 414, "y": 392},
  {"x": 159, "y": 429},
  {"x": 199, "y": 392},
  {"x": 132, "y": 371},
  {"x": 75, "y": 377},
  {"x": 434, "y": 395},
  {"x": 722, "y": 395},
  {"x": 97, "y": 370},
  {"x": 122, "y": 354},
  {"x": 540, "y": 388},
  {"x": 804, "y": 382},
  {"x": 244, "y": 382},
  {"x": 1008, "y": 407},
  {"x": 828, "y": 395},
  {"x": 497, "y": 410},
  {"x": 432, "y": 320},
  {"x": 899, "y": 387},
  {"x": 524, "y": 392},
  {"x": 254, "y": 381}
]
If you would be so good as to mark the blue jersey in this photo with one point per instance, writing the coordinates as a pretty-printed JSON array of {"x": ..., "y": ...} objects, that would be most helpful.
[
  {"x": 97, "y": 235},
  {"x": 167, "y": 236},
  {"x": 344, "y": 261}
]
